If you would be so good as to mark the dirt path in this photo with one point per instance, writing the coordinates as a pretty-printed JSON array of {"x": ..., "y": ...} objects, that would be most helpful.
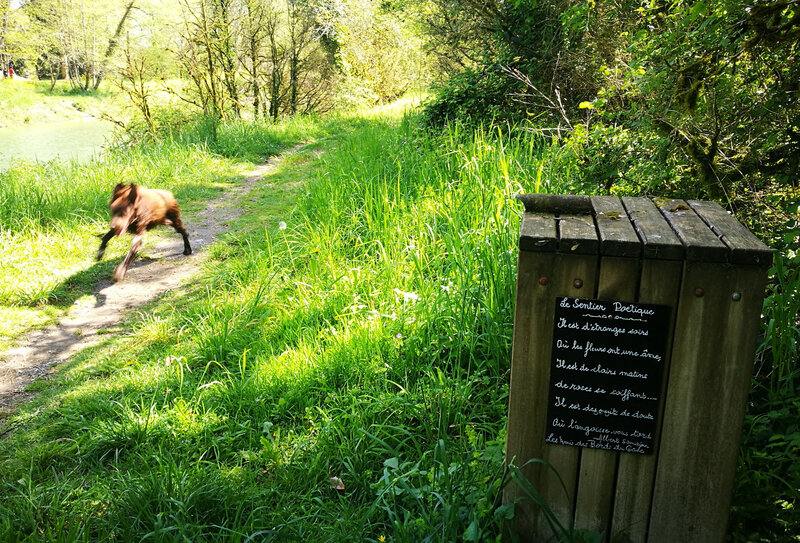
[{"x": 165, "y": 269}]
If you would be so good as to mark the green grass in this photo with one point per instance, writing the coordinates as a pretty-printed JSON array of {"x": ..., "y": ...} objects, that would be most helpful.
[
  {"x": 24, "y": 102},
  {"x": 368, "y": 340},
  {"x": 52, "y": 213},
  {"x": 354, "y": 324}
]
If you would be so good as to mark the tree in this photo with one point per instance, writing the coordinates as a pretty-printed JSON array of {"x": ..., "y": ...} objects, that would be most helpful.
[
  {"x": 376, "y": 51},
  {"x": 134, "y": 79},
  {"x": 196, "y": 56},
  {"x": 5, "y": 14},
  {"x": 252, "y": 56},
  {"x": 277, "y": 62},
  {"x": 112, "y": 45}
]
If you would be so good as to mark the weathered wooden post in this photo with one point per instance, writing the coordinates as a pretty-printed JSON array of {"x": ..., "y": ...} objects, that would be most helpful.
[{"x": 634, "y": 335}]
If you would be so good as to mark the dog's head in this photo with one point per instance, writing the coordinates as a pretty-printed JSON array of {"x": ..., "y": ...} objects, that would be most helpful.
[{"x": 123, "y": 202}]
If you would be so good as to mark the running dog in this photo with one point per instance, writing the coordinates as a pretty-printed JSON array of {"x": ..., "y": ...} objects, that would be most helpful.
[{"x": 136, "y": 209}]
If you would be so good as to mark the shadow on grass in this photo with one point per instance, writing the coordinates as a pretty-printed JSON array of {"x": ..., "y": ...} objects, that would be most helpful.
[{"x": 85, "y": 282}]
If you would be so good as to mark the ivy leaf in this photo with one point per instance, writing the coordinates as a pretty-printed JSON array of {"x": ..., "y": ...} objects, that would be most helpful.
[{"x": 472, "y": 533}]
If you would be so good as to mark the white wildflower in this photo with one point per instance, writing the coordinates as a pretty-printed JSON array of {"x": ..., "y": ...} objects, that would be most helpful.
[{"x": 406, "y": 295}]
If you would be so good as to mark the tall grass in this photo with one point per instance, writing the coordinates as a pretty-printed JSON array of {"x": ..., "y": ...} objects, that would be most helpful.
[
  {"x": 51, "y": 213},
  {"x": 340, "y": 373},
  {"x": 368, "y": 340},
  {"x": 24, "y": 102}
]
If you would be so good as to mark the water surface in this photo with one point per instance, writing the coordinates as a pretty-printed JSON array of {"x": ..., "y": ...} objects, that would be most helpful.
[{"x": 80, "y": 140}]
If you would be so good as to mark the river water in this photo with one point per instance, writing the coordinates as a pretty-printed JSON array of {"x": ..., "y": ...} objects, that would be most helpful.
[{"x": 79, "y": 140}]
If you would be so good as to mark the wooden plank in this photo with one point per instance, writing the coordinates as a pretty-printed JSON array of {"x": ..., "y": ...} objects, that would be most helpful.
[
  {"x": 659, "y": 284},
  {"x": 618, "y": 280},
  {"x": 577, "y": 235},
  {"x": 658, "y": 239},
  {"x": 702, "y": 245},
  {"x": 745, "y": 247},
  {"x": 569, "y": 204},
  {"x": 709, "y": 375},
  {"x": 538, "y": 233},
  {"x": 617, "y": 235},
  {"x": 530, "y": 374}
]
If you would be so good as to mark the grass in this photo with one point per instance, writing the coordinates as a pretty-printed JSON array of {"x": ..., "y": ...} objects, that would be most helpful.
[
  {"x": 307, "y": 353},
  {"x": 52, "y": 212},
  {"x": 24, "y": 102},
  {"x": 353, "y": 327}
]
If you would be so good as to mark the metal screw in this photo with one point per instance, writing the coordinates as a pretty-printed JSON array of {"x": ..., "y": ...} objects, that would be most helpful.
[
  {"x": 543, "y": 281},
  {"x": 736, "y": 296},
  {"x": 699, "y": 292},
  {"x": 577, "y": 283}
]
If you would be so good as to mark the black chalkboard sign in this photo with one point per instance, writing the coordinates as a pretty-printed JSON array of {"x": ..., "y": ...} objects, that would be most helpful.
[{"x": 605, "y": 374}]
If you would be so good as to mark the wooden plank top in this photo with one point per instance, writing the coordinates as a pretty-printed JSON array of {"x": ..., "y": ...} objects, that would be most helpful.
[
  {"x": 659, "y": 240},
  {"x": 661, "y": 229},
  {"x": 538, "y": 233},
  {"x": 577, "y": 235},
  {"x": 745, "y": 247},
  {"x": 701, "y": 244},
  {"x": 617, "y": 235},
  {"x": 556, "y": 203}
]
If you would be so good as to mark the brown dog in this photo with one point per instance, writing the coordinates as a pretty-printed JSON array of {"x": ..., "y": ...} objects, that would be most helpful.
[{"x": 136, "y": 210}]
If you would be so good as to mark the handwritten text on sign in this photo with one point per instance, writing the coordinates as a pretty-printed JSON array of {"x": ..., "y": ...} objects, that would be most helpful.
[{"x": 605, "y": 374}]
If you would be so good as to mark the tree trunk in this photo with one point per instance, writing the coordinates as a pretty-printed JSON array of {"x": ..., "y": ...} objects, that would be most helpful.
[
  {"x": 217, "y": 110},
  {"x": 227, "y": 56},
  {"x": 294, "y": 60},
  {"x": 112, "y": 45},
  {"x": 6, "y": 9},
  {"x": 255, "y": 37},
  {"x": 276, "y": 73}
]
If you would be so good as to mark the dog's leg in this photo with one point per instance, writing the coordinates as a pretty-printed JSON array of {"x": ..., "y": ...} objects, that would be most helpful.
[
  {"x": 178, "y": 225},
  {"x": 187, "y": 249},
  {"x": 122, "y": 269},
  {"x": 108, "y": 235}
]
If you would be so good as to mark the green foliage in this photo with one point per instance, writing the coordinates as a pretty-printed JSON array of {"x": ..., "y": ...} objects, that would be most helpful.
[
  {"x": 366, "y": 340},
  {"x": 778, "y": 357},
  {"x": 477, "y": 95},
  {"x": 361, "y": 336},
  {"x": 434, "y": 497},
  {"x": 376, "y": 51},
  {"x": 677, "y": 99},
  {"x": 766, "y": 491}
]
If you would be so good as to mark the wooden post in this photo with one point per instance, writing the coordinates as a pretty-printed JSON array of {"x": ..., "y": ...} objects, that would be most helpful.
[
  {"x": 662, "y": 255},
  {"x": 560, "y": 258},
  {"x": 715, "y": 334},
  {"x": 619, "y": 278},
  {"x": 710, "y": 271}
]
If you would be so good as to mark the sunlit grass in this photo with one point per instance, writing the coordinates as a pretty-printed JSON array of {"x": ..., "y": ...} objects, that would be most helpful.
[
  {"x": 53, "y": 212},
  {"x": 371, "y": 322},
  {"x": 354, "y": 325},
  {"x": 24, "y": 102}
]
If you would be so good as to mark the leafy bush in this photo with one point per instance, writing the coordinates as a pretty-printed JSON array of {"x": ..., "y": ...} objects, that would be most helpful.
[{"x": 477, "y": 95}]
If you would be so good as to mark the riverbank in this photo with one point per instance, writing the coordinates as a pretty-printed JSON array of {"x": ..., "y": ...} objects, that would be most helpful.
[{"x": 33, "y": 102}]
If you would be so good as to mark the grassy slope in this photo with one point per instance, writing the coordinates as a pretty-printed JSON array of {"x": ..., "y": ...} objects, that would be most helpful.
[
  {"x": 306, "y": 353},
  {"x": 24, "y": 102},
  {"x": 368, "y": 341}
]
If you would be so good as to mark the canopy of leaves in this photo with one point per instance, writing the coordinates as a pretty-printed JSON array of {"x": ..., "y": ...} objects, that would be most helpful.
[{"x": 694, "y": 98}]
